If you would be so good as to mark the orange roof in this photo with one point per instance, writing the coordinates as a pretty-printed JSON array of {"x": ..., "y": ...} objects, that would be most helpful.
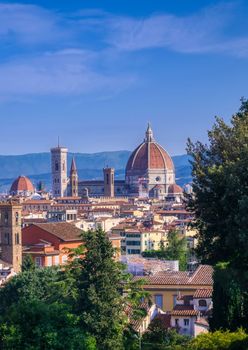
[
  {"x": 175, "y": 189},
  {"x": 202, "y": 276},
  {"x": 185, "y": 312},
  {"x": 63, "y": 230},
  {"x": 203, "y": 293}
]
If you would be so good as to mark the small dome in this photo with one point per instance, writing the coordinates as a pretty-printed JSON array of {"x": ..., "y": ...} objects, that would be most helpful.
[
  {"x": 36, "y": 196},
  {"x": 175, "y": 189},
  {"x": 22, "y": 184}
]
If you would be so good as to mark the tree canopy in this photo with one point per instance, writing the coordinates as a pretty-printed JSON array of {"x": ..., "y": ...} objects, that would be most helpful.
[
  {"x": 220, "y": 204},
  {"x": 220, "y": 191},
  {"x": 176, "y": 249},
  {"x": 81, "y": 306}
]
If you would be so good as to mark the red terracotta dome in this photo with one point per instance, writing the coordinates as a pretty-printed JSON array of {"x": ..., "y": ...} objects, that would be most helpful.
[
  {"x": 149, "y": 155},
  {"x": 22, "y": 184}
]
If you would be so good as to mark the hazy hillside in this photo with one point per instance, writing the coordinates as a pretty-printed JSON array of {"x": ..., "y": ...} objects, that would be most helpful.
[{"x": 37, "y": 166}]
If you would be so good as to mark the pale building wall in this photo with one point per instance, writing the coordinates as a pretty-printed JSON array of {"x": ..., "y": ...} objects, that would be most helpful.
[
  {"x": 59, "y": 171},
  {"x": 200, "y": 329},
  {"x": 184, "y": 329}
]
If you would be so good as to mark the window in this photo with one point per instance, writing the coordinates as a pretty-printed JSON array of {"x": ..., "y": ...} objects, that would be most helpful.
[
  {"x": 64, "y": 259},
  {"x": 6, "y": 239},
  {"x": 49, "y": 260},
  {"x": 159, "y": 300},
  {"x": 38, "y": 261},
  {"x": 186, "y": 322},
  {"x": 17, "y": 218},
  {"x": 56, "y": 260},
  {"x": 107, "y": 179},
  {"x": 133, "y": 251},
  {"x": 56, "y": 166},
  {"x": 17, "y": 239},
  {"x": 133, "y": 243},
  {"x": 202, "y": 303},
  {"x": 6, "y": 218},
  {"x": 177, "y": 322}
]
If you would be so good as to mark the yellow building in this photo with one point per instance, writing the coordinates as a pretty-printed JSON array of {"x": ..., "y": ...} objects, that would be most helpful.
[
  {"x": 137, "y": 241},
  {"x": 166, "y": 286}
]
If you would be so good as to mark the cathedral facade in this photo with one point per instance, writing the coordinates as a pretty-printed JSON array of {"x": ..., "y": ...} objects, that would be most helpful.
[{"x": 149, "y": 173}]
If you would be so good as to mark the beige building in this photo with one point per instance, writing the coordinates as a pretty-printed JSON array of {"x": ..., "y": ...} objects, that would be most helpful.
[
  {"x": 137, "y": 241},
  {"x": 59, "y": 171},
  {"x": 165, "y": 287},
  {"x": 11, "y": 235}
]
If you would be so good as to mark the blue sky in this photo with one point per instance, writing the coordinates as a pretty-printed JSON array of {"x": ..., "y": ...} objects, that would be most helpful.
[{"x": 95, "y": 72}]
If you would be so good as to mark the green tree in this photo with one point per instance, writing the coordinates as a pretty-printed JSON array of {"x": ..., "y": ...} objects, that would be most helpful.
[
  {"x": 48, "y": 284},
  {"x": 28, "y": 263},
  {"x": 37, "y": 325},
  {"x": 104, "y": 290},
  {"x": 176, "y": 249},
  {"x": 220, "y": 191},
  {"x": 87, "y": 301},
  {"x": 220, "y": 204},
  {"x": 220, "y": 340},
  {"x": 159, "y": 337}
]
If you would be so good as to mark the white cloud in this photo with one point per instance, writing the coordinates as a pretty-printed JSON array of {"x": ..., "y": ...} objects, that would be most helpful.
[
  {"x": 201, "y": 32},
  {"x": 28, "y": 24},
  {"x": 77, "y": 65},
  {"x": 68, "y": 72}
]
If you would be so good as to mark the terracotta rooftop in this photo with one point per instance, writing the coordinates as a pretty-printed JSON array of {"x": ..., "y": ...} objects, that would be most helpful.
[
  {"x": 63, "y": 230},
  {"x": 175, "y": 189},
  {"x": 185, "y": 312},
  {"x": 202, "y": 321},
  {"x": 165, "y": 320},
  {"x": 202, "y": 276},
  {"x": 203, "y": 293}
]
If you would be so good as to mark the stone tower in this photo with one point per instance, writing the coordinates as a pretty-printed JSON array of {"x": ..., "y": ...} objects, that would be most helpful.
[
  {"x": 11, "y": 234},
  {"x": 73, "y": 179},
  {"x": 109, "y": 188},
  {"x": 59, "y": 171}
]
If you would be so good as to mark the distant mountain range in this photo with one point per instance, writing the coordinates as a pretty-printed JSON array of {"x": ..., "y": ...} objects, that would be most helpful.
[{"x": 37, "y": 167}]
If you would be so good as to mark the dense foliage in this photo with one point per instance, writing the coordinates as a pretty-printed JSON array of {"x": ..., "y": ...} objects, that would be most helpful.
[
  {"x": 220, "y": 340},
  {"x": 159, "y": 337},
  {"x": 78, "y": 307},
  {"x": 220, "y": 204},
  {"x": 176, "y": 249}
]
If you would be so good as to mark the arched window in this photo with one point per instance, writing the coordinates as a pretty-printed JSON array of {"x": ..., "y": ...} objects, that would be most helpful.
[
  {"x": 202, "y": 303},
  {"x": 17, "y": 239},
  {"x": 6, "y": 217},
  {"x": 17, "y": 218}
]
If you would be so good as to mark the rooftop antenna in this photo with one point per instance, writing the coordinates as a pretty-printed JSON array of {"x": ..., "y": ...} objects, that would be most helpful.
[{"x": 58, "y": 142}]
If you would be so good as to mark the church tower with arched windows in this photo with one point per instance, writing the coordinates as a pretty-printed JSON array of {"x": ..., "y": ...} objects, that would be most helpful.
[
  {"x": 59, "y": 171},
  {"x": 11, "y": 235}
]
